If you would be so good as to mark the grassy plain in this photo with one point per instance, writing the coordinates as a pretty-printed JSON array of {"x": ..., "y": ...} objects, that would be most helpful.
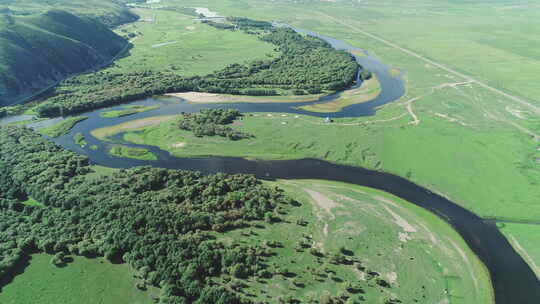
[
  {"x": 369, "y": 90},
  {"x": 416, "y": 252},
  {"x": 463, "y": 171},
  {"x": 468, "y": 142},
  {"x": 84, "y": 281},
  {"x": 130, "y": 152},
  {"x": 128, "y": 110},
  {"x": 173, "y": 42},
  {"x": 63, "y": 127}
]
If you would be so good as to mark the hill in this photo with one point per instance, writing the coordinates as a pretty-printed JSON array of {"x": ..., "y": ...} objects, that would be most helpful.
[
  {"x": 39, "y": 50},
  {"x": 109, "y": 12}
]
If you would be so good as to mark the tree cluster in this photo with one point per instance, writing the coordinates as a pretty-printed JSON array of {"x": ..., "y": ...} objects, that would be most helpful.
[
  {"x": 211, "y": 122},
  {"x": 159, "y": 221}
]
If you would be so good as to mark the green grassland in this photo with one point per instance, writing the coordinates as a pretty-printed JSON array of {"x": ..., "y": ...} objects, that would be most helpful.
[
  {"x": 130, "y": 152},
  {"x": 524, "y": 238},
  {"x": 84, "y": 281},
  {"x": 63, "y": 127},
  {"x": 416, "y": 252},
  {"x": 467, "y": 142},
  {"x": 128, "y": 110},
  {"x": 474, "y": 172},
  {"x": 175, "y": 43}
]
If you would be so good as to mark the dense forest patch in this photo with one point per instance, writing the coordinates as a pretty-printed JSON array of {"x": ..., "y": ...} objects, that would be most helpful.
[{"x": 211, "y": 122}]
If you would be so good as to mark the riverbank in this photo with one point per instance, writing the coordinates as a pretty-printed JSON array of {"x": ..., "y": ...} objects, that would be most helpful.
[
  {"x": 369, "y": 90},
  {"x": 203, "y": 98}
]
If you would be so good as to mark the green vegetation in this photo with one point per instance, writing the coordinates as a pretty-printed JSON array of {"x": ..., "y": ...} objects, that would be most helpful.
[
  {"x": 370, "y": 89},
  {"x": 111, "y": 13},
  {"x": 63, "y": 127},
  {"x": 217, "y": 238},
  {"x": 305, "y": 65},
  {"x": 394, "y": 146},
  {"x": 158, "y": 221},
  {"x": 212, "y": 122},
  {"x": 524, "y": 239},
  {"x": 36, "y": 51},
  {"x": 80, "y": 140},
  {"x": 130, "y": 152},
  {"x": 129, "y": 110},
  {"x": 177, "y": 45},
  {"x": 83, "y": 280},
  {"x": 376, "y": 230}
]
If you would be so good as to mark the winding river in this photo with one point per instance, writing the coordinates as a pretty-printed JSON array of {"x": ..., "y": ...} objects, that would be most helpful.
[{"x": 513, "y": 280}]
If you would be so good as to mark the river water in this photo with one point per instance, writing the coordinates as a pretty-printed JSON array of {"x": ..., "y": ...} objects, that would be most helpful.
[{"x": 513, "y": 280}]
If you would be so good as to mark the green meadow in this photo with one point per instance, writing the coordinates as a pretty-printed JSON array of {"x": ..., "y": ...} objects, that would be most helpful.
[
  {"x": 468, "y": 142},
  {"x": 474, "y": 171},
  {"x": 174, "y": 42},
  {"x": 84, "y": 281},
  {"x": 419, "y": 255}
]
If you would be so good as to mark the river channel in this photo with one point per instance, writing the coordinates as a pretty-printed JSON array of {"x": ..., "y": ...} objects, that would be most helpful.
[{"x": 513, "y": 280}]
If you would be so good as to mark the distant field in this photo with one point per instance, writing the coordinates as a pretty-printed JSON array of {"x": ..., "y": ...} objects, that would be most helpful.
[
  {"x": 409, "y": 247},
  {"x": 174, "y": 42},
  {"x": 84, "y": 281}
]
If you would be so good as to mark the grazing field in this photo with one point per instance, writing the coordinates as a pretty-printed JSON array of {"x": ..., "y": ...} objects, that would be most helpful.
[
  {"x": 63, "y": 127},
  {"x": 128, "y": 110},
  {"x": 84, "y": 281},
  {"x": 419, "y": 255},
  {"x": 524, "y": 238},
  {"x": 369, "y": 90},
  {"x": 129, "y": 152},
  {"x": 198, "y": 49}
]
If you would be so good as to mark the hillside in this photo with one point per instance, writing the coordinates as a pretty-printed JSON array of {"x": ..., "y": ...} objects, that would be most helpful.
[
  {"x": 39, "y": 50},
  {"x": 110, "y": 12}
]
